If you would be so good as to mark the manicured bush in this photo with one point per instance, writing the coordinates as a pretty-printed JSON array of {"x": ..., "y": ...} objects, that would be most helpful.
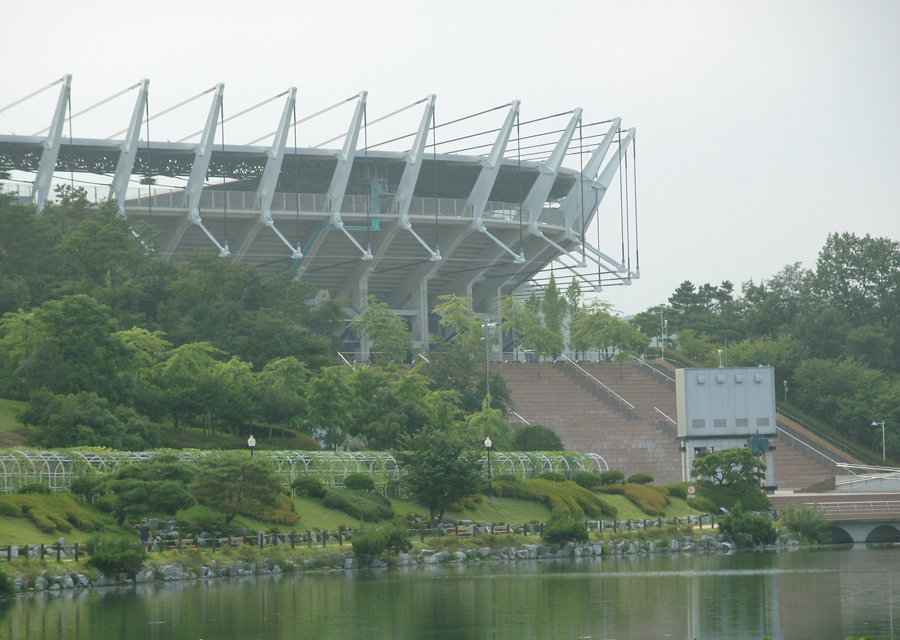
[
  {"x": 359, "y": 482},
  {"x": 711, "y": 497},
  {"x": 35, "y": 487},
  {"x": 612, "y": 490},
  {"x": 375, "y": 542},
  {"x": 308, "y": 486},
  {"x": 650, "y": 500},
  {"x": 306, "y": 443},
  {"x": 612, "y": 477},
  {"x": 116, "y": 555},
  {"x": 553, "y": 476},
  {"x": 586, "y": 479},
  {"x": 7, "y": 586},
  {"x": 564, "y": 528},
  {"x": 639, "y": 478},
  {"x": 535, "y": 437},
  {"x": 561, "y": 497},
  {"x": 368, "y": 507},
  {"x": 745, "y": 528},
  {"x": 49, "y": 513}
]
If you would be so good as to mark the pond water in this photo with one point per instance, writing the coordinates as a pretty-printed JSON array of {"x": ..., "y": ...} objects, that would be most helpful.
[{"x": 796, "y": 595}]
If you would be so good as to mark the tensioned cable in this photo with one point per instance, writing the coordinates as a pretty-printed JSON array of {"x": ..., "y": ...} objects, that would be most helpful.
[
  {"x": 71, "y": 143},
  {"x": 224, "y": 172},
  {"x": 637, "y": 246},
  {"x": 237, "y": 115},
  {"x": 368, "y": 175},
  {"x": 94, "y": 106},
  {"x": 297, "y": 177},
  {"x": 409, "y": 135},
  {"x": 165, "y": 111},
  {"x": 149, "y": 166},
  {"x": 536, "y": 135},
  {"x": 621, "y": 198},
  {"x": 31, "y": 95},
  {"x": 302, "y": 120},
  {"x": 377, "y": 120},
  {"x": 519, "y": 185},
  {"x": 627, "y": 209},
  {"x": 581, "y": 186},
  {"x": 436, "y": 203}
]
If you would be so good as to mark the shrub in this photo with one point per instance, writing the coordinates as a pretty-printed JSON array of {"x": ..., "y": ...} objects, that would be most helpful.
[
  {"x": 306, "y": 443},
  {"x": 368, "y": 507},
  {"x": 586, "y": 479},
  {"x": 86, "y": 487},
  {"x": 282, "y": 512},
  {"x": 7, "y": 586},
  {"x": 49, "y": 513},
  {"x": 359, "y": 482},
  {"x": 375, "y": 542},
  {"x": 116, "y": 555},
  {"x": 553, "y": 476},
  {"x": 747, "y": 528},
  {"x": 678, "y": 490},
  {"x": 34, "y": 487},
  {"x": 650, "y": 500},
  {"x": 535, "y": 437},
  {"x": 309, "y": 486},
  {"x": 711, "y": 497},
  {"x": 564, "y": 528},
  {"x": 561, "y": 497},
  {"x": 808, "y": 524},
  {"x": 612, "y": 477},
  {"x": 639, "y": 478},
  {"x": 612, "y": 490}
]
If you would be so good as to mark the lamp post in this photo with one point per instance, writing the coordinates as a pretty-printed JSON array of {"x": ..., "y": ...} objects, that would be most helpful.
[
  {"x": 883, "y": 454},
  {"x": 251, "y": 442},
  {"x": 487, "y": 445},
  {"x": 488, "y": 331},
  {"x": 720, "y": 358},
  {"x": 785, "y": 391}
]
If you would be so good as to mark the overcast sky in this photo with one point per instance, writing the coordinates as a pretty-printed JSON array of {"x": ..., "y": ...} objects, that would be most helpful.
[{"x": 761, "y": 126}]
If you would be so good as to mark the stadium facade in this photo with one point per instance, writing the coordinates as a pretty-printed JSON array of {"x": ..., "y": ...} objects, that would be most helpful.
[{"x": 405, "y": 226}]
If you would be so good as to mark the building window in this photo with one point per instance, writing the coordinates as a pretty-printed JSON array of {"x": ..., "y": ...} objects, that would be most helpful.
[
  {"x": 762, "y": 422},
  {"x": 698, "y": 424},
  {"x": 741, "y": 422},
  {"x": 720, "y": 423}
]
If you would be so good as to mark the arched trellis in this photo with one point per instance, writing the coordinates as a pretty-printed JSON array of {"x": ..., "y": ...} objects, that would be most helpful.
[
  {"x": 57, "y": 469},
  {"x": 526, "y": 464}
]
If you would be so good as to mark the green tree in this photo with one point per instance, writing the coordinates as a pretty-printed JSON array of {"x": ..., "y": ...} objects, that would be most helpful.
[
  {"x": 730, "y": 467},
  {"x": 282, "y": 387},
  {"x": 489, "y": 423},
  {"x": 328, "y": 408},
  {"x": 535, "y": 437},
  {"x": 151, "y": 487},
  {"x": 456, "y": 313},
  {"x": 68, "y": 346},
  {"x": 234, "y": 483},
  {"x": 439, "y": 469},
  {"x": 389, "y": 333},
  {"x": 553, "y": 307},
  {"x": 87, "y": 420}
]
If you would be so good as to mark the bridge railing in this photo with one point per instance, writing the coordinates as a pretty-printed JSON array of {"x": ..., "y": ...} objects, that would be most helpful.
[{"x": 855, "y": 510}]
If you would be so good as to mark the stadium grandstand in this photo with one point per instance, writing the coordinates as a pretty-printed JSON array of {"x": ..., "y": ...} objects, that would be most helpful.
[{"x": 476, "y": 205}]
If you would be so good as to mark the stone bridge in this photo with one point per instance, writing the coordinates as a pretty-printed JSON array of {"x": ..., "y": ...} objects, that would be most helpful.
[{"x": 872, "y": 521}]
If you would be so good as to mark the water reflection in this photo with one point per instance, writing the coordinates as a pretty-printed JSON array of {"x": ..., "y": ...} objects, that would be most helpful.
[{"x": 829, "y": 593}]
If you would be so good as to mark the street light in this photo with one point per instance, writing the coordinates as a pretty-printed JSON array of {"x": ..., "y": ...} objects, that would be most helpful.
[
  {"x": 875, "y": 424},
  {"x": 720, "y": 358},
  {"x": 487, "y": 445},
  {"x": 251, "y": 442},
  {"x": 488, "y": 326}
]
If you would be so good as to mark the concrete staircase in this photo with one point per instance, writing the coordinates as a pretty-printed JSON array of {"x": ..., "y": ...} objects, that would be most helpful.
[
  {"x": 586, "y": 424},
  {"x": 588, "y": 418}
]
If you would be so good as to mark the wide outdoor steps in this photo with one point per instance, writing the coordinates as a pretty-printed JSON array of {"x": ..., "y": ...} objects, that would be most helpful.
[
  {"x": 586, "y": 424},
  {"x": 646, "y": 444}
]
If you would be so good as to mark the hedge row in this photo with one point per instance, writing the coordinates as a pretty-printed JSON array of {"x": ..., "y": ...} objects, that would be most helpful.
[
  {"x": 561, "y": 497},
  {"x": 363, "y": 505},
  {"x": 49, "y": 513}
]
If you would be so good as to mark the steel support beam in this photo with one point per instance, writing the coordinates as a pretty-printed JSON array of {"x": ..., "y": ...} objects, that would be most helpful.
[
  {"x": 118, "y": 189},
  {"x": 338, "y": 186},
  {"x": 197, "y": 178},
  {"x": 266, "y": 191},
  {"x": 44, "y": 177},
  {"x": 411, "y": 175},
  {"x": 475, "y": 203}
]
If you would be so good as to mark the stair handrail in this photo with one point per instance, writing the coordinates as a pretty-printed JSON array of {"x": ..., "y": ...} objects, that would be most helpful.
[
  {"x": 826, "y": 437},
  {"x": 652, "y": 370},
  {"x": 610, "y": 391},
  {"x": 869, "y": 472},
  {"x": 813, "y": 449},
  {"x": 665, "y": 416},
  {"x": 520, "y": 417}
]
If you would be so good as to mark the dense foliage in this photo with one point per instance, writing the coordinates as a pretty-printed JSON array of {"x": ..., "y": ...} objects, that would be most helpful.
[
  {"x": 747, "y": 528},
  {"x": 49, "y": 513},
  {"x": 536, "y": 437},
  {"x": 565, "y": 498},
  {"x": 155, "y": 486},
  {"x": 362, "y": 505},
  {"x": 235, "y": 483},
  {"x": 731, "y": 466},
  {"x": 810, "y": 525},
  {"x": 374, "y": 542},
  {"x": 113, "y": 555},
  {"x": 564, "y": 528}
]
